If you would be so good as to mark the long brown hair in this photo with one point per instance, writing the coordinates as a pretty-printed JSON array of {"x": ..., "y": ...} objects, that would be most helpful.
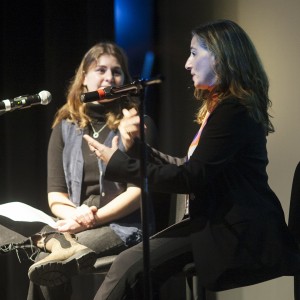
[
  {"x": 240, "y": 73},
  {"x": 74, "y": 110}
]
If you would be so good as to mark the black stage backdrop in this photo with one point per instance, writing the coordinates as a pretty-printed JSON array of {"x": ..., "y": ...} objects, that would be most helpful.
[{"x": 42, "y": 42}]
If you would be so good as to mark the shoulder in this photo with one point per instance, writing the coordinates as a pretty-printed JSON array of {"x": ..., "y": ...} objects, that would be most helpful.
[
  {"x": 231, "y": 104},
  {"x": 64, "y": 130},
  {"x": 56, "y": 130},
  {"x": 56, "y": 139},
  {"x": 232, "y": 115},
  {"x": 231, "y": 108}
]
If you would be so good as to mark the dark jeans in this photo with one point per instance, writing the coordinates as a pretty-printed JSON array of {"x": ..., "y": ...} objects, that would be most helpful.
[
  {"x": 104, "y": 241},
  {"x": 170, "y": 251},
  {"x": 14, "y": 235}
]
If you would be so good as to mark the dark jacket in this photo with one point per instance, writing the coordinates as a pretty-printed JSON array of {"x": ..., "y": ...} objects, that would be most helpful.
[{"x": 238, "y": 230}]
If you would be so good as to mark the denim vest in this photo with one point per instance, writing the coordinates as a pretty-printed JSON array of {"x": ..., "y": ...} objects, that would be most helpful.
[
  {"x": 73, "y": 168},
  {"x": 73, "y": 164}
]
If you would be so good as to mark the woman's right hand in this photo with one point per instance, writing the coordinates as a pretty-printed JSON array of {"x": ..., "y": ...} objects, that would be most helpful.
[
  {"x": 85, "y": 215},
  {"x": 129, "y": 127}
]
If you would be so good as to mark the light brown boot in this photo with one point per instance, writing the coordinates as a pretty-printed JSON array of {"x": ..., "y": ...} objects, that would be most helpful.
[{"x": 66, "y": 259}]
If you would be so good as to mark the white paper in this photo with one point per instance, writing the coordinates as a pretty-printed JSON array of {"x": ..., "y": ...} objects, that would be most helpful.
[{"x": 19, "y": 211}]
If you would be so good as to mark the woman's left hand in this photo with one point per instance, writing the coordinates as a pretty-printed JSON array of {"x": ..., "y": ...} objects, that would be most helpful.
[
  {"x": 85, "y": 215},
  {"x": 101, "y": 151}
]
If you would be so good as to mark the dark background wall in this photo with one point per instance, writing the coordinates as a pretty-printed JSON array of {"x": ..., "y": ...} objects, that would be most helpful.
[{"x": 42, "y": 43}]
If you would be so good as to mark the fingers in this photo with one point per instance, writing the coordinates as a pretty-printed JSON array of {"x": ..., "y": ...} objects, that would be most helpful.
[
  {"x": 84, "y": 215},
  {"x": 130, "y": 121},
  {"x": 126, "y": 112},
  {"x": 67, "y": 225},
  {"x": 115, "y": 142},
  {"x": 93, "y": 144},
  {"x": 94, "y": 208},
  {"x": 64, "y": 228},
  {"x": 129, "y": 113},
  {"x": 101, "y": 151},
  {"x": 129, "y": 127},
  {"x": 59, "y": 223}
]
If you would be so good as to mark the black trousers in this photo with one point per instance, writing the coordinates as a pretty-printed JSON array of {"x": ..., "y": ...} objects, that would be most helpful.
[{"x": 170, "y": 251}]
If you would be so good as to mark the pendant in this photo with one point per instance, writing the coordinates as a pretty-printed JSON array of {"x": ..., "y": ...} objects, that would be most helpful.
[{"x": 95, "y": 135}]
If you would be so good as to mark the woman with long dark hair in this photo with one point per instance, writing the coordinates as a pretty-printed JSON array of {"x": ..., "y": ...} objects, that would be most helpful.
[{"x": 235, "y": 231}]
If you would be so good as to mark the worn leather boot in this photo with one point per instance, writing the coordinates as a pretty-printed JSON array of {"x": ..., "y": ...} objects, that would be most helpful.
[{"x": 66, "y": 259}]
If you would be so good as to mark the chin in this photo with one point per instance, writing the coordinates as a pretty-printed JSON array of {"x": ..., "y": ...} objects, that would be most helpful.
[{"x": 203, "y": 87}]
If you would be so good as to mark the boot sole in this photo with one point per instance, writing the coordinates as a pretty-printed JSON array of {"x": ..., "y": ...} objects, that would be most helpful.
[{"x": 54, "y": 273}]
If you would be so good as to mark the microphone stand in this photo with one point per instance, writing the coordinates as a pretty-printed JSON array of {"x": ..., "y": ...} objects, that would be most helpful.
[
  {"x": 144, "y": 196},
  {"x": 136, "y": 88},
  {"x": 139, "y": 90}
]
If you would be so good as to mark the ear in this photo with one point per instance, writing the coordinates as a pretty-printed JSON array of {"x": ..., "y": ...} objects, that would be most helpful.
[{"x": 84, "y": 80}]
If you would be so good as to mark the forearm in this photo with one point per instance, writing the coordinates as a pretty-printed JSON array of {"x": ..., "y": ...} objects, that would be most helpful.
[
  {"x": 154, "y": 155},
  {"x": 60, "y": 205},
  {"x": 119, "y": 207}
]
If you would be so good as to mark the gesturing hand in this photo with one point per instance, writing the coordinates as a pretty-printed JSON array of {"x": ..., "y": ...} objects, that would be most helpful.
[
  {"x": 129, "y": 127},
  {"x": 101, "y": 151}
]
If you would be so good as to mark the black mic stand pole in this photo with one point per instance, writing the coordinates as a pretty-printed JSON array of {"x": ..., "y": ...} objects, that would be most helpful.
[
  {"x": 144, "y": 196},
  {"x": 137, "y": 88}
]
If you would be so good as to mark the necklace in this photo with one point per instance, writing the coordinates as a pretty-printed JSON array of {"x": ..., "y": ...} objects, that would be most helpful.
[{"x": 96, "y": 133}]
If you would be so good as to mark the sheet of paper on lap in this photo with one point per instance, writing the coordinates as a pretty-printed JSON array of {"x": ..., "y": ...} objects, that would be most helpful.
[{"x": 19, "y": 211}]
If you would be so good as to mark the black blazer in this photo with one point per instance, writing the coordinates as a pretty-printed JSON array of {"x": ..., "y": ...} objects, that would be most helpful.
[{"x": 238, "y": 229}]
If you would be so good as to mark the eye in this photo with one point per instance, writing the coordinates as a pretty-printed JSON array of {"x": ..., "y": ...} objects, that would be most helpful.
[
  {"x": 100, "y": 70},
  {"x": 118, "y": 72},
  {"x": 193, "y": 53}
]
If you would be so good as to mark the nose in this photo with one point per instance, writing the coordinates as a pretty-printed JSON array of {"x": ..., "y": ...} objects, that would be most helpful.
[
  {"x": 188, "y": 64},
  {"x": 109, "y": 76}
]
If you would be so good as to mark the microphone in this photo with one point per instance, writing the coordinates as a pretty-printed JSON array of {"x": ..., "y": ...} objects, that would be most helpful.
[
  {"x": 111, "y": 93},
  {"x": 43, "y": 97}
]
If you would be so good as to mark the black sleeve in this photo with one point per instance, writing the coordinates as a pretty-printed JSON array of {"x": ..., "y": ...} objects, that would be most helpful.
[
  {"x": 56, "y": 178},
  {"x": 223, "y": 136},
  {"x": 150, "y": 139},
  {"x": 152, "y": 154},
  {"x": 150, "y": 132}
]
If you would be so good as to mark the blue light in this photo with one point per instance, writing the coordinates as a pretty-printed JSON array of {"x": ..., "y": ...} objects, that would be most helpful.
[{"x": 133, "y": 30}]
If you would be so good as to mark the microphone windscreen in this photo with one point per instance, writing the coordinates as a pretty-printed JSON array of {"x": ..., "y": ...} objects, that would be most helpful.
[{"x": 45, "y": 97}]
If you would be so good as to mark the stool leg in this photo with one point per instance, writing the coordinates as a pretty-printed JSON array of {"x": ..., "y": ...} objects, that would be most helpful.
[
  {"x": 199, "y": 292},
  {"x": 194, "y": 291},
  {"x": 189, "y": 287},
  {"x": 297, "y": 287}
]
